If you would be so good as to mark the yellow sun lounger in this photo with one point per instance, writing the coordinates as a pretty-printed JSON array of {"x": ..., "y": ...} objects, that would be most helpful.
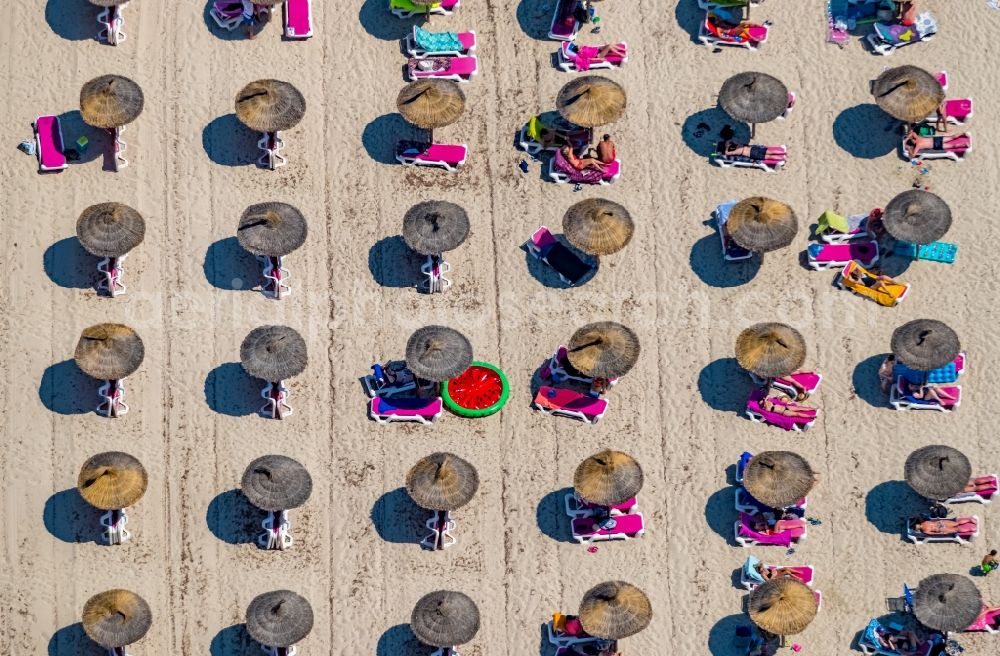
[{"x": 895, "y": 291}]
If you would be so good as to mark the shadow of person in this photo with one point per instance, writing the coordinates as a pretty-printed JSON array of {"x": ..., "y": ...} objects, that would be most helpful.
[
  {"x": 73, "y": 20},
  {"x": 230, "y": 266},
  {"x": 233, "y": 519},
  {"x": 724, "y": 385},
  {"x": 233, "y": 641},
  {"x": 700, "y": 131},
  {"x": 67, "y": 264},
  {"x": 535, "y": 17},
  {"x": 548, "y": 277},
  {"x": 228, "y": 142},
  {"x": 394, "y": 264},
  {"x": 399, "y": 640},
  {"x": 65, "y": 389},
  {"x": 381, "y": 135},
  {"x": 551, "y": 517},
  {"x": 235, "y": 34},
  {"x": 720, "y": 514},
  {"x": 72, "y": 639},
  {"x": 866, "y": 131},
  {"x": 71, "y": 519},
  {"x": 398, "y": 519},
  {"x": 381, "y": 23},
  {"x": 708, "y": 263},
  {"x": 99, "y": 142},
  {"x": 230, "y": 390},
  {"x": 890, "y": 504},
  {"x": 866, "y": 382},
  {"x": 722, "y": 637},
  {"x": 689, "y": 17}
]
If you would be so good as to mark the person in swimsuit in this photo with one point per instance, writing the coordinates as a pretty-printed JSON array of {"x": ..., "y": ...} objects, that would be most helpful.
[
  {"x": 581, "y": 163},
  {"x": 930, "y": 393},
  {"x": 729, "y": 148},
  {"x": 774, "y": 572},
  {"x": 906, "y": 11},
  {"x": 877, "y": 282},
  {"x": 885, "y": 377},
  {"x": 788, "y": 408},
  {"x": 944, "y": 526},
  {"x": 606, "y": 150},
  {"x": 916, "y": 143}
]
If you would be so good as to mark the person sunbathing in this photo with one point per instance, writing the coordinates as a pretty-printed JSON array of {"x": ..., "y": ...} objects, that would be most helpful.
[
  {"x": 916, "y": 143},
  {"x": 730, "y": 28},
  {"x": 757, "y": 153},
  {"x": 885, "y": 373},
  {"x": 905, "y": 642},
  {"x": 763, "y": 524},
  {"x": 581, "y": 163},
  {"x": 875, "y": 281},
  {"x": 767, "y": 573},
  {"x": 606, "y": 152},
  {"x": 930, "y": 393},
  {"x": 787, "y": 408},
  {"x": 944, "y": 526}
]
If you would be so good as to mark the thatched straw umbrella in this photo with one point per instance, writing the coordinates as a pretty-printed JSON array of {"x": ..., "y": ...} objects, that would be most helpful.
[
  {"x": 603, "y": 349},
  {"x": 109, "y": 351},
  {"x": 907, "y": 93},
  {"x": 608, "y": 478},
  {"x": 431, "y": 104},
  {"x": 761, "y": 224},
  {"x": 947, "y": 602},
  {"x": 783, "y": 606},
  {"x": 110, "y": 101},
  {"x": 770, "y": 350},
  {"x": 445, "y": 619},
  {"x": 917, "y": 216},
  {"x": 270, "y": 106},
  {"x": 438, "y": 353},
  {"x": 274, "y": 483},
  {"x": 273, "y": 353},
  {"x": 614, "y": 610},
  {"x": 435, "y": 226},
  {"x": 925, "y": 344},
  {"x": 442, "y": 481},
  {"x": 591, "y": 100},
  {"x": 937, "y": 472},
  {"x": 112, "y": 480},
  {"x": 116, "y": 618},
  {"x": 271, "y": 229},
  {"x": 279, "y": 618},
  {"x": 110, "y": 229},
  {"x": 598, "y": 226},
  {"x": 754, "y": 98},
  {"x": 778, "y": 478}
]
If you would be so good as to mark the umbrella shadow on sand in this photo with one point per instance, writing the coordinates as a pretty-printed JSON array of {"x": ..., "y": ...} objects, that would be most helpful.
[
  {"x": 73, "y": 20},
  {"x": 382, "y": 24},
  {"x": 218, "y": 32},
  {"x": 73, "y": 639},
  {"x": 890, "y": 504},
  {"x": 398, "y": 519},
  {"x": 399, "y": 640},
  {"x": 714, "y": 270},
  {"x": 720, "y": 514},
  {"x": 722, "y": 635},
  {"x": 866, "y": 383},
  {"x": 228, "y": 142},
  {"x": 233, "y": 519},
  {"x": 71, "y": 519},
  {"x": 230, "y": 266},
  {"x": 689, "y": 17},
  {"x": 233, "y": 641},
  {"x": 65, "y": 389},
  {"x": 724, "y": 385},
  {"x": 74, "y": 127},
  {"x": 394, "y": 264},
  {"x": 381, "y": 134},
  {"x": 866, "y": 131},
  {"x": 701, "y": 130},
  {"x": 535, "y": 17},
  {"x": 548, "y": 277},
  {"x": 67, "y": 264},
  {"x": 230, "y": 390},
  {"x": 551, "y": 517}
]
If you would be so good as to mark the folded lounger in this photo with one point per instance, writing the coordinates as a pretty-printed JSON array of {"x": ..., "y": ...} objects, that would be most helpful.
[
  {"x": 276, "y": 396},
  {"x": 49, "y": 144},
  {"x": 298, "y": 19},
  {"x": 835, "y": 256},
  {"x": 564, "y": 24},
  {"x": 856, "y": 227},
  {"x": 458, "y": 69},
  {"x": 377, "y": 382},
  {"x": 895, "y": 294},
  {"x": 450, "y": 157},
  {"x": 809, "y": 380},
  {"x": 114, "y": 522},
  {"x": 557, "y": 372},
  {"x": 563, "y": 172},
  {"x": 938, "y": 251},
  {"x": 746, "y": 503},
  {"x": 715, "y": 32},
  {"x": 742, "y": 161},
  {"x": 112, "y": 403},
  {"x": 407, "y": 9},
  {"x": 276, "y": 533},
  {"x": 112, "y": 21},
  {"x": 423, "y": 43},
  {"x": 439, "y": 526},
  {"x": 271, "y": 144},
  {"x": 746, "y": 536},
  {"x": 434, "y": 269},
  {"x": 982, "y": 496},
  {"x": 962, "y": 538},
  {"x": 901, "y": 398},
  {"x": 577, "y": 507},
  {"x": 957, "y": 149},
  {"x": 731, "y": 251},
  {"x": 572, "y": 57},
  {"x": 565, "y": 133},
  {"x": 756, "y": 412},
  {"x": 568, "y": 403},
  {"x": 559, "y": 636},
  {"x": 112, "y": 272},
  {"x": 570, "y": 267},
  {"x": 870, "y": 645},
  {"x": 886, "y": 39},
  {"x": 751, "y": 579},
  {"x": 425, "y": 411},
  {"x": 625, "y": 528},
  {"x": 988, "y": 620},
  {"x": 228, "y": 14},
  {"x": 275, "y": 275}
]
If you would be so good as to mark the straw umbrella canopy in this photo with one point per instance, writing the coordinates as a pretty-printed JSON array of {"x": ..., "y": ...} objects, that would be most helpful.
[
  {"x": 271, "y": 229},
  {"x": 431, "y": 104},
  {"x": 771, "y": 349},
  {"x": 273, "y": 353},
  {"x": 445, "y": 619},
  {"x": 279, "y": 618},
  {"x": 608, "y": 478},
  {"x": 274, "y": 483},
  {"x": 438, "y": 353},
  {"x": 591, "y": 100},
  {"x": 109, "y": 351},
  {"x": 112, "y": 480},
  {"x": 947, "y": 602},
  {"x": 937, "y": 472},
  {"x": 442, "y": 481},
  {"x": 110, "y": 101},
  {"x": 603, "y": 349},
  {"x": 754, "y": 98},
  {"x": 614, "y": 610},
  {"x": 925, "y": 344},
  {"x": 762, "y": 224},
  {"x": 778, "y": 478},
  {"x": 110, "y": 229},
  {"x": 783, "y": 606},
  {"x": 907, "y": 93},
  {"x": 917, "y": 216},
  {"x": 598, "y": 226},
  {"x": 270, "y": 106},
  {"x": 435, "y": 226},
  {"x": 116, "y": 618}
]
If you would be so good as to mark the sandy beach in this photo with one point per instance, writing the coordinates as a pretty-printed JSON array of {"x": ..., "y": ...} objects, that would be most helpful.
[{"x": 193, "y": 295}]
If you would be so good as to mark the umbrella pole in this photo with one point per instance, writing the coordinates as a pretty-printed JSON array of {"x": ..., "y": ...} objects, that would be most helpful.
[
  {"x": 753, "y": 130},
  {"x": 430, "y": 136}
]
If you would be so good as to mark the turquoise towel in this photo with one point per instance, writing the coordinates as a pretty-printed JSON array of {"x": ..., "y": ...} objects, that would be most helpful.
[
  {"x": 938, "y": 251},
  {"x": 437, "y": 41}
]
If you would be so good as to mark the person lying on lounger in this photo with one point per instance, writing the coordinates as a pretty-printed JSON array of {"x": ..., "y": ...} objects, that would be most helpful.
[
  {"x": 774, "y": 572},
  {"x": 943, "y": 526},
  {"x": 905, "y": 642},
  {"x": 581, "y": 163},
  {"x": 730, "y": 148},
  {"x": 788, "y": 408},
  {"x": 929, "y": 393},
  {"x": 763, "y": 523},
  {"x": 878, "y": 282},
  {"x": 916, "y": 143}
]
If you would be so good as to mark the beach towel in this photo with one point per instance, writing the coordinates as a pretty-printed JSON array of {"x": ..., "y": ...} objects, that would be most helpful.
[
  {"x": 437, "y": 41},
  {"x": 430, "y": 64},
  {"x": 937, "y": 251},
  {"x": 589, "y": 176},
  {"x": 750, "y": 570},
  {"x": 943, "y": 375}
]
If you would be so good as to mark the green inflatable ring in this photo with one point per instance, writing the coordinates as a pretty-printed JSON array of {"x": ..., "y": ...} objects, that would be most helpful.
[{"x": 477, "y": 388}]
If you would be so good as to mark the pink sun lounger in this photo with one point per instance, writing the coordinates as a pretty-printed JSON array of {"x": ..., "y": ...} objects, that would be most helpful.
[
  {"x": 982, "y": 496},
  {"x": 626, "y": 527},
  {"x": 837, "y": 256},
  {"x": 457, "y": 69},
  {"x": 810, "y": 380},
  {"x": 387, "y": 410},
  {"x": 298, "y": 19},
  {"x": 746, "y": 35},
  {"x": 561, "y": 259},
  {"x": 564, "y": 24},
  {"x": 577, "y": 507},
  {"x": 962, "y": 538},
  {"x": 49, "y": 143},
  {"x": 449, "y": 157},
  {"x": 901, "y": 398},
  {"x": 556, "y": 369},
  {"x": 988, "y": 621},
  {"x": 569, "y": 403},
  {"x": 750, "y": 579},
  {"x": 584, "y": 58},
  {"x": 957, "y": 111},
  {"x": 957, "y": 149},
  {"x": 746, "y": 536},
  {"x": 756, "y": 412},
  {"x": 563, "y": 172}
]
